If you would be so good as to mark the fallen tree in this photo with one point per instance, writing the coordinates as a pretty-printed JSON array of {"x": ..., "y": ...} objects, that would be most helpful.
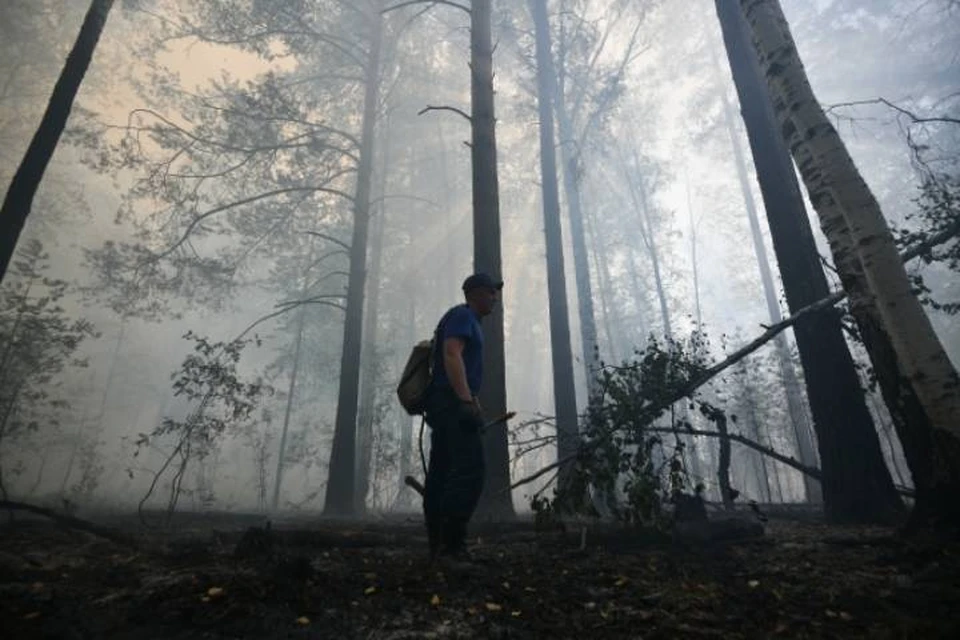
[{"x": 770, "y": 332}]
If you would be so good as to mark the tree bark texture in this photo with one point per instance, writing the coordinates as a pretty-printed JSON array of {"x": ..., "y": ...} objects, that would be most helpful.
[
  {"x": 796, "y": 406},
  {"x": 341, "y": 485},
  {"x": 564, "y": 392},
  {"x": 19, "y": 199},
  {"x": 850, "y": 214},
  {"x": 495, "y": 502},
  {"x": 855, "y": 488}
]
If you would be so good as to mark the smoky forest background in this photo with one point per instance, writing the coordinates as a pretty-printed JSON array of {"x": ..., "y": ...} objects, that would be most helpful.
[{"x": 251, "y": 210}]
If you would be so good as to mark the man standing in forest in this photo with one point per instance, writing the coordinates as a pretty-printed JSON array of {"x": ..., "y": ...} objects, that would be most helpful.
[{"x": 455, "y": 473}]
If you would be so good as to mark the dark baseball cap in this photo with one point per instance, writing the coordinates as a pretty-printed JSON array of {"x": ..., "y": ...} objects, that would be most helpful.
[{"x": 478, "y": 280}]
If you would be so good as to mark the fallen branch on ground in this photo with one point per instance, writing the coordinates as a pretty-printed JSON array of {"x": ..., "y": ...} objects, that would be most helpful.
[{"x": 71, "y": 522}]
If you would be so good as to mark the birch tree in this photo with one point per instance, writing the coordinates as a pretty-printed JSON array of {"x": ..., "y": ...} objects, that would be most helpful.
[{"x": 864, "y": 250}]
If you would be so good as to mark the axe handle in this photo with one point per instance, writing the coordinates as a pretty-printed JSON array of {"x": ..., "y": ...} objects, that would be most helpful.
[
  {"x": 503, "y": 418},
  {"x": 414, "y": 484}
]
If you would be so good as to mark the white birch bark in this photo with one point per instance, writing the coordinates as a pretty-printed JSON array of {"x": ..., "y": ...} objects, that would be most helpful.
[{"x": 842, "y": 199}]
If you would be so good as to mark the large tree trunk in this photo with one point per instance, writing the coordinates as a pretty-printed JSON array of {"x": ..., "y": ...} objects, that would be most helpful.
[
  {"x": 341, "y": 485},
  {"x": 26, "y": 181},
  {"x": 796, "y": 408},
  {"x": 496, "y": 501},
  {"x": 855, "y": 487},
  {"x": 369, "y": 365},
  {"x": 852, "y": 220},
  {"x": 564, "y": 392}
]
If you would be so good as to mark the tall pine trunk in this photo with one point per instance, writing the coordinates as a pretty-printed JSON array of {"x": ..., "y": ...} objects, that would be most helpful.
[
  {"x": 564, "y": 392},
  {"x": 19, "y": 199},
  {"x": 855, "y": 487},
  {"x": 369, "y": 366},
  {"x": 495, "y": 502},
  {"x": 341, "y": 485},
  {"x": 569, "y": 157},
  {"x": 796, "y": 408},
  {"x": 860, "y": 238}
]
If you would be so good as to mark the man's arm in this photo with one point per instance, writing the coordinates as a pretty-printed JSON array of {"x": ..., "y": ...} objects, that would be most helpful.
[{"x": 455, "y": 369}]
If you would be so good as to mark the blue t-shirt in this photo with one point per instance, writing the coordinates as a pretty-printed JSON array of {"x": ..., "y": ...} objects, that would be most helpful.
[{"x": 460, "y": 322}]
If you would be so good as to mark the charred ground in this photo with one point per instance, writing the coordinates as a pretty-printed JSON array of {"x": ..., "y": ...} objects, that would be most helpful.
[{"x": 220, "y": 577}]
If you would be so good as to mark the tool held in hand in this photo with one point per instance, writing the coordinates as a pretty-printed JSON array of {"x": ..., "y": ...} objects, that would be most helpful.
[{"x": 416, "y": 485}]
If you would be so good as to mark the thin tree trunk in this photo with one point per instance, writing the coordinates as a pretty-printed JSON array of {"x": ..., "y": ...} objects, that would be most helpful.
[
  {"x": 602, "y": 267},
  {"x": 723, "y": 468},
  {"x": 291, "y": 395},
  {"x": 693, "y": 254},
  {"x": 581, "y": 268},
  {"x": 860, "y": 238},
  {"x": 341, "y": 485},
  {"x": 73, "y": 455},
  {"x": 795, "y": 403},
  {"x": 636, "y": 291},
  {"x": 855, "y": 488},
  {"x": 564, "y": 392},
  {"x": 26, "y": 181},
  {"x": 638, "y": 194},
  {"x": 496, "y": 502}
]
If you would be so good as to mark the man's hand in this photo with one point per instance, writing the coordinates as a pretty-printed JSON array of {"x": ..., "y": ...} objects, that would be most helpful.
[{"x": 473, "y": 406}]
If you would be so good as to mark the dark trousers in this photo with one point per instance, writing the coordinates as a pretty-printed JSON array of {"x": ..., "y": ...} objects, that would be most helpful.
[{"x": 455, "y": 472}]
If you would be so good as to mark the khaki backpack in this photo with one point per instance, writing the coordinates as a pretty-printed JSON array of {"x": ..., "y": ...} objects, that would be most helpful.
[
  {"x": 415, "y": 381},
  {"x": 417, "y": 374}
]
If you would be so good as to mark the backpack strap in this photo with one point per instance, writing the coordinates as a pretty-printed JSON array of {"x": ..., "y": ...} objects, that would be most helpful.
[{"x": 436, "y": 339}]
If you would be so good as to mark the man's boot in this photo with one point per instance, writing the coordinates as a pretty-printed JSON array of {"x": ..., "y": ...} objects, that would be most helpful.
[
  {"x": 455, "y": 537},
  {"x": 435, "y": 539}
]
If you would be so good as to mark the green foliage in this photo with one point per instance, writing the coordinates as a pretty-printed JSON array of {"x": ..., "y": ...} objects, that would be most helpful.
[
  {"x": 222, "y": 402},
  {"x": 39, "y": 342},
  {"x": 622, "y": 466}
]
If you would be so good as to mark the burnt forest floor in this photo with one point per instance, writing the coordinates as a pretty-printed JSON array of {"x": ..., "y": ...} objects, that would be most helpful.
[{"x": 325, "y": 579}]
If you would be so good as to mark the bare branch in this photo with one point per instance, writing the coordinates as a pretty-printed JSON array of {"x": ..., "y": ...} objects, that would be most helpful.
[
  {"x": 330, "y": 238},
  {"x": 289, "y": 304},
  {"x": 445, "y": 108},
  {"x": 289, "y": 307},
  {"x": 409, "y": 3},
  {"x": 401, "y": 196},
  {"x": 947, "y": 234},
  {"x": 260, "y": 196},
  {"x": 913, "y": 117}
]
